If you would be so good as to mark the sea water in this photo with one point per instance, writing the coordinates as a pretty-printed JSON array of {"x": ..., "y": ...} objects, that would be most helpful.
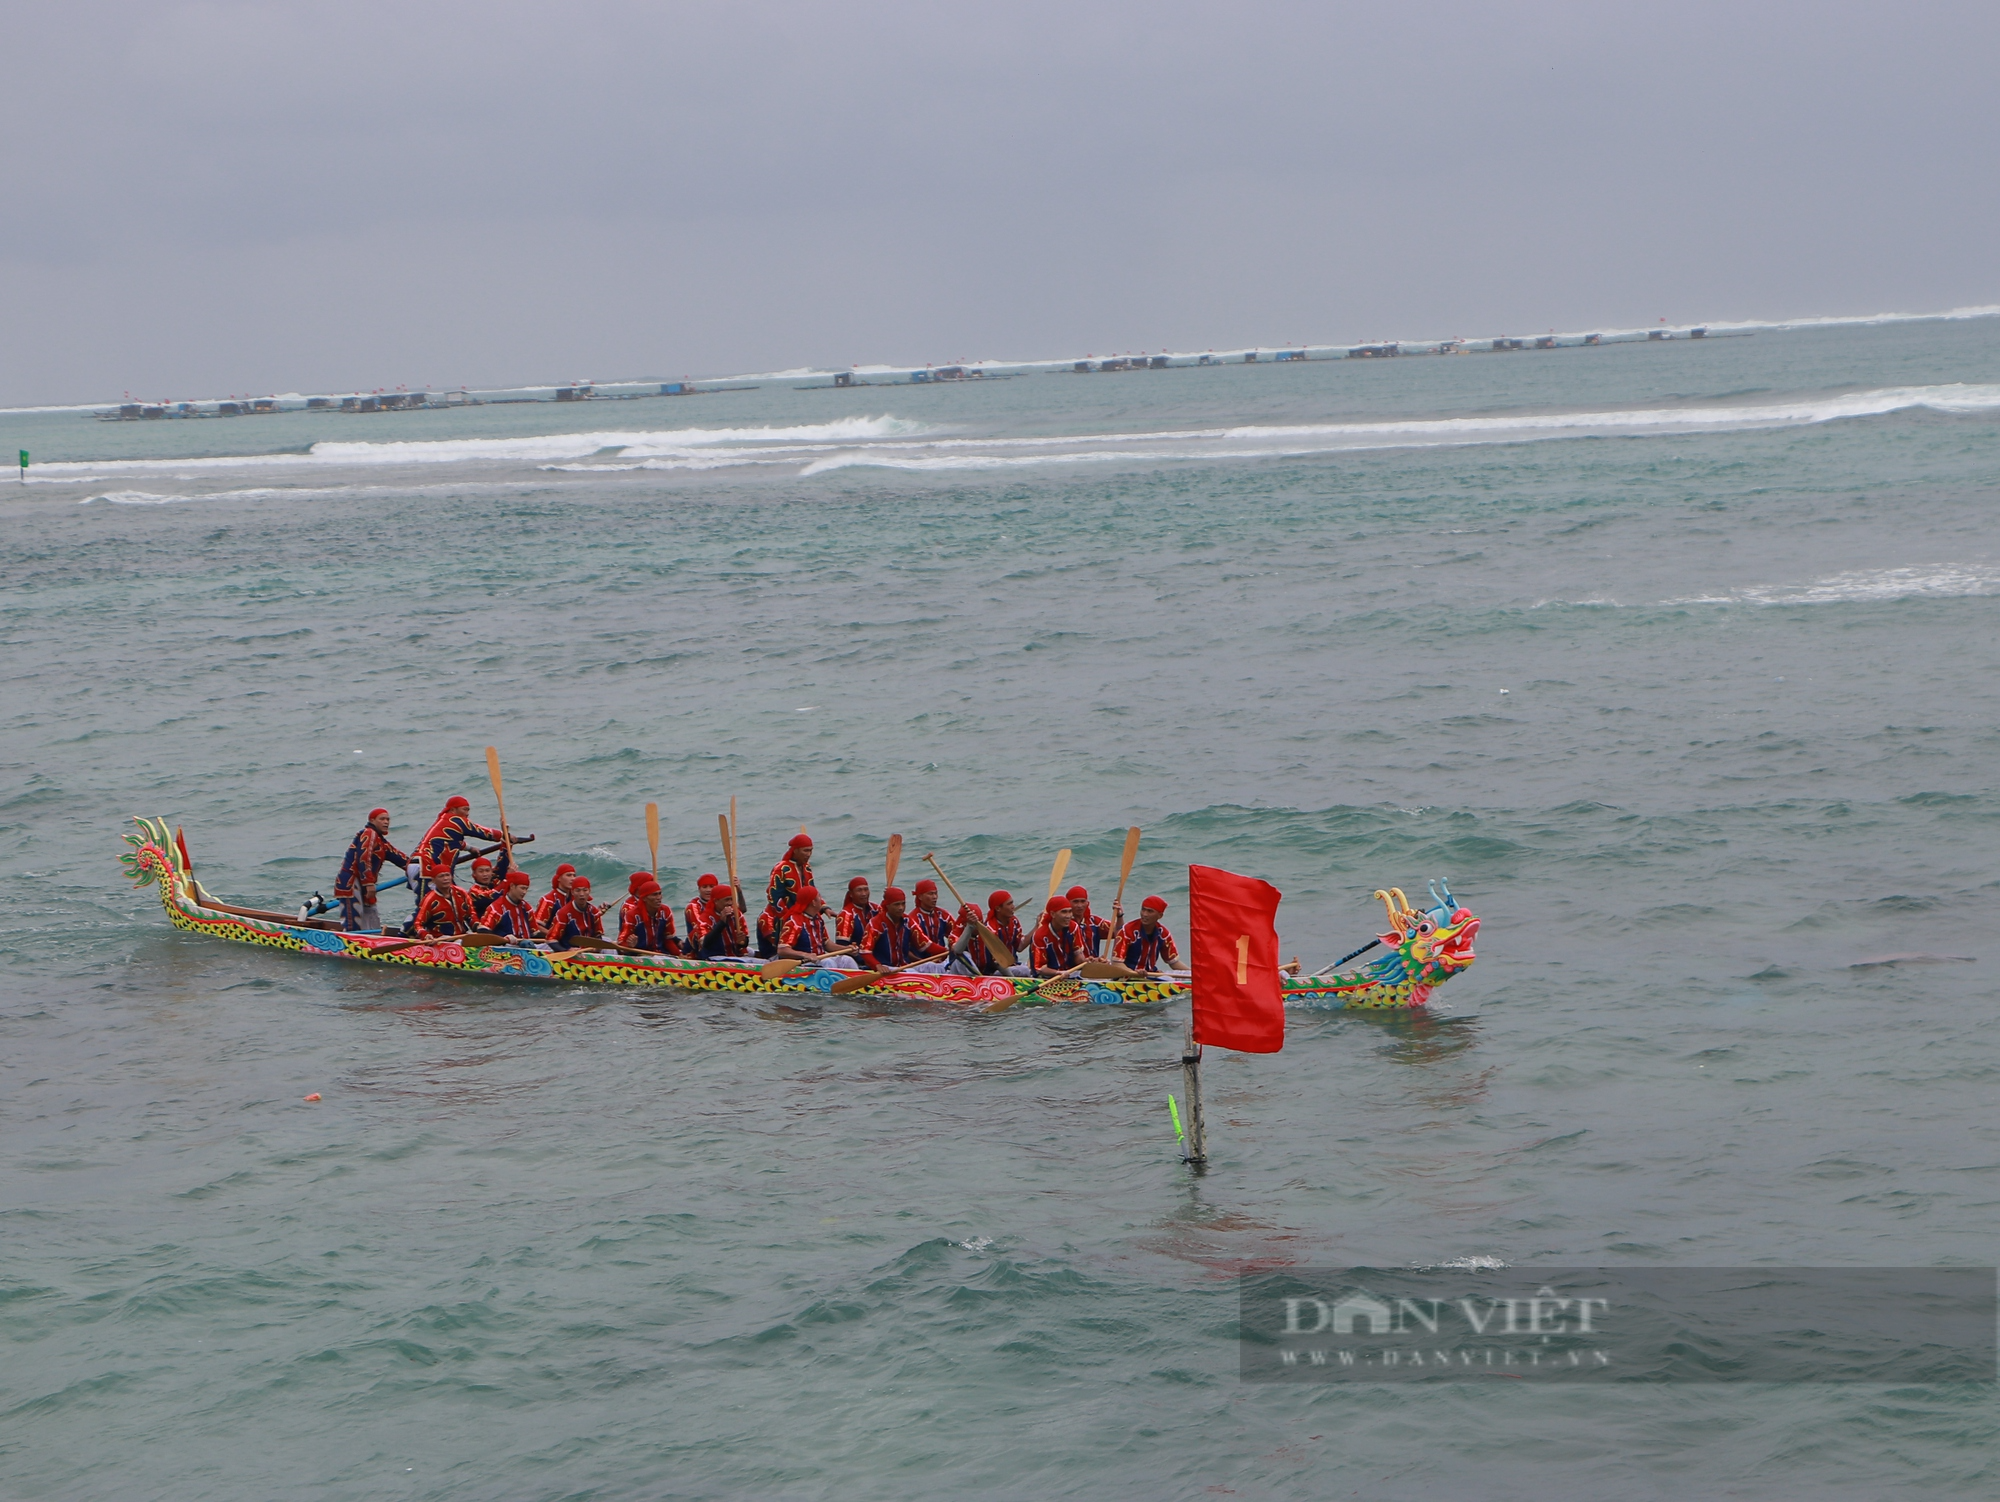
[{"x": 1675, "y": 658}]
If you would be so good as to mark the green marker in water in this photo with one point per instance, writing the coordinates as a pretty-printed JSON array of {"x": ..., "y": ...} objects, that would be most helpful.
[
  {"x": 1174, "y": 1110},
  {"x": 24, "y": 466}
]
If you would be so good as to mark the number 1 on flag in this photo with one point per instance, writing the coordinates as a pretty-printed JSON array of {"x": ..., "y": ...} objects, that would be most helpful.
[{"x": 1242, "y": 958}]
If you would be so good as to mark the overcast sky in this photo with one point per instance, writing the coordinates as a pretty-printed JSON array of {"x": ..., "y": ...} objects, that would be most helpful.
[{"x": 213, "y": 198}]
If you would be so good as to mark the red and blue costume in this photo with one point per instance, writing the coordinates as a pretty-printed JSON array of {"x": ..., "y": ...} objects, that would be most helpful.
[
  {"x": 362, "y": 868},
  {"x": 709, "y": 936},
  {"x": 1147, "y": 951},
  {"x": 508, "y": 916},
  {"x": 933, "y": 922},
  {"x": 446, "y": 838},
  {"x": 553, "y": 898},
  {"x": 692, "y": 911},
  {"x": 445, "y": 913},
  {"x": 850, "y": 924},
  {"x": 1096, "y": 931},
  {"x": 485, "y": 893},
  {"x": 574, "y": 918},
  {"x": 789, "y": 877},
  {"x": 804, "y": 931},
  {"x": 1006, "y": 930},
  {"x": 896, "y": 941},
  {"x": 1055, "y": 948},
  {"x": 639, "y": 929}
]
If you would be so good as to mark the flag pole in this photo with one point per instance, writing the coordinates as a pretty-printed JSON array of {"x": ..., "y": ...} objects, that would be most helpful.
[{"x": 1196, "y": 1150}]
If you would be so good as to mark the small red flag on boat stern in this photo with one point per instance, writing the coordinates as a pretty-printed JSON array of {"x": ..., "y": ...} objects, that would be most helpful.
[{"x": 1233, "y": 944}]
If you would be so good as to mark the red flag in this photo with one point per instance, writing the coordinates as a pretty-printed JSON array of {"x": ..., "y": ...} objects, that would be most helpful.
[{"x": 1238, "y": 997}]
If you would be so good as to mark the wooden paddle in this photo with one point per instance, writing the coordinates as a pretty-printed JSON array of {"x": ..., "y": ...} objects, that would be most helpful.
[
  {"x": 995, "y": 946},
  {"x": 725, "y": 821},
  {"x": 779, "y": 969},
  {"x": 894, "y": 859},
  {"x": 1118, "y": 902},
  {"x": 653, "y": 833},
  {"x": 493, "y": 771},
  {"x": 1056, "y": 871}
]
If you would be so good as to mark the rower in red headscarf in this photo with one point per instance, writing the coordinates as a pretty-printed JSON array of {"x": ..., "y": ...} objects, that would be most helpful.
[
  {"x": 803, "y": 936},
  {"x": 715, "y": 928},
  {"x": 575, "y": 917},
  {"x": 1057, "y": 942},
  {"x": 850, "y": 924},
  {"x": 892, "y": 939},
  {"x": 488, "y": 879},
  {"x": 1006, "y": 928},
  {"x": 1096, "y": 931},
  {"x": 362, "y": 869},
  {"x": 702, "y": 888},
  {"x": 646, "y": 922},
  {"x": 446, "y": 910},
  {"x": 788, "y": 878},
  {"x": 508, "y": 914},
  {"x": 554, "y": 897},
  {"x": 927, "y": 918},
  {"x": 1144, "y": 943},
  {"x": 446, "y": 837}
]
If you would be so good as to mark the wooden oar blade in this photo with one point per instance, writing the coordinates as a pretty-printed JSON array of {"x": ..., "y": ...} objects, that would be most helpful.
[
  {"x": 653, "y": 834},
  {"x": 848, "y": 985},
  {"x": 893, "y": 860},
  {"x": 1056, "y": 871},
  {"x": 778, "y": 969}
]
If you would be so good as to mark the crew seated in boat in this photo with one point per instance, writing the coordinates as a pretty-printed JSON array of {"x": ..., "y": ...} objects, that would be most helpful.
[
  {"x": 850, "y": 924},
  {"x": 446, "y": 910},
  {"x": 928, "y": 919},
  {"x": 361, "y": 870},
  {"x": 446, "y": 838},
  {"x": 646, "y": 922},
  {"x": 1096, "y": 932},
  {"x": 508, "y": 914},
  {"x": 715, "y": 928},
  {"x": 574, "y": 917},
  {"x": 489, "y": 879},
  {"x": 1057, "y": 942},
  {"x": 1144, "y": 943},
  {"x": 554, "y": 897},
  {"x": 1000, "y": 920},
  {"x": 803, "y": 935},
  {"x": 892, "y": 940}
]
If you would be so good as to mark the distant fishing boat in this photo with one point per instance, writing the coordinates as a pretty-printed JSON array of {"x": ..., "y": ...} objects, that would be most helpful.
[{"x": 1426, "y": 948}]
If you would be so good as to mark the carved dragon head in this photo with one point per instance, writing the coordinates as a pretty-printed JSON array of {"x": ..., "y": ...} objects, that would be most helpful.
[{"x": 1434, "y": 944}]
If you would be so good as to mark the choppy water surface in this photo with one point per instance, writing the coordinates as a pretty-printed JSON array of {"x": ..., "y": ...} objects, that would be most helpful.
[{"x": 1678, "y": 660}]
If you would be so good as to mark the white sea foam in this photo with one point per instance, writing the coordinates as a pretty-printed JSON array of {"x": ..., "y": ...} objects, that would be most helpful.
[
  {"x": 894, "y": 443},
  {"x": 1939, "y": 581},
  {"x": 549, "y": 447}
]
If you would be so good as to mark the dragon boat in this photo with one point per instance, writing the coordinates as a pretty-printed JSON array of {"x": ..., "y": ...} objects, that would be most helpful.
[{"x": 1427, "y": 949}]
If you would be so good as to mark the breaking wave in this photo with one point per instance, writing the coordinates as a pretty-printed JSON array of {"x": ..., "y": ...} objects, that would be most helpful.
[{"x": 893, "y": 443}]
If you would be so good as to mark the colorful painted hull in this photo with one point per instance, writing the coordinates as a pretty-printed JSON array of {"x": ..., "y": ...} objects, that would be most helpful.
[{"x": 156, "y": 858}]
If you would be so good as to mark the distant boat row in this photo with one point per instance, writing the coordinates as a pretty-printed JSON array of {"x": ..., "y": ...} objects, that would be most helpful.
[
  {"x": 938, "y": 375},
  {"x": 388, "y": 401}
]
